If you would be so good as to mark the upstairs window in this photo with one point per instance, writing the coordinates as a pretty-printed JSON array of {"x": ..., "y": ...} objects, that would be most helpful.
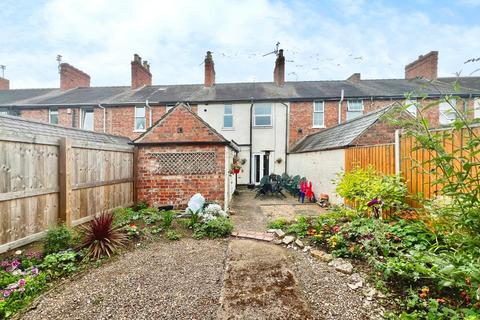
[
  {"x": 318, "y": 114},
  {"x": 411, "y": 107},
  {"x": 228, "y": 116},
  {"x": 263, "y": 115},
  {"x": 86, "y": 119},
  {"x": 53, "y": 116},
  {"x": 354, "y": 109},
  {"x": 140, "y": 119},
  {"x": 4, "y": 112},
  {"x": 169, "y": 107},
  {"x": 447, "y": 113}
]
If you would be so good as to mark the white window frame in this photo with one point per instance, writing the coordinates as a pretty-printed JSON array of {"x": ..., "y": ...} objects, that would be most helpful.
[
  {"x": 315, "y": 111},
  {"x": 169, "y": 107},
  {"x": 50, "y": 113},
  {"x": 83, "y": 112},
  {"x": 4, "y": 112},
  {"x": 444, "y": 110},
  {"x": 412, "y": 108},
  {"x": 476, "y": 108},
  {"x": 227, "y": 114},
  {"x": 262, "y": 115},
  {"x": 135, "y": 117},
  {"x": 349, "y": 108}
]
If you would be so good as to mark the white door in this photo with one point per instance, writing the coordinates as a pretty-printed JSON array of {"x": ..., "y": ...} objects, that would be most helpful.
[{"x": 261, "y": 166}]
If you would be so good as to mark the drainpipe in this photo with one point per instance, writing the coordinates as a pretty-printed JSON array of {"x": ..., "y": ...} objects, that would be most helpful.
[
  {"x": 104, "y": 116},
  {"x": 340, "y": 107},
  {"x": 150, "y": 112},
  {"x": 251, "y": 134},
  {"x": 286, "y": 134}
]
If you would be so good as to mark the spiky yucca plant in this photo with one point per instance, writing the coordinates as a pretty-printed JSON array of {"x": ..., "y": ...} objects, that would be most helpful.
[{"x": 101, "y": 237}]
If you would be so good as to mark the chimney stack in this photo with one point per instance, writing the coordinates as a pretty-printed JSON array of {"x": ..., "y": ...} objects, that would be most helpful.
[
  {"x": 71, "y": 77},
  {"x": 279, "y": 71},
  {"x": 209, "y": 70},
  {"x": 425, "y": 67},
  {"x": 4, "y": 84},
  {"x": 355, "y": 78},
  {"x": 141, "y": 75}
]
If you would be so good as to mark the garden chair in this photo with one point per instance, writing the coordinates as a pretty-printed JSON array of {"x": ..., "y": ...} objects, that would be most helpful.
[
  {"x": 292, "y": 185},
  {"x": 264, "y": 186}
]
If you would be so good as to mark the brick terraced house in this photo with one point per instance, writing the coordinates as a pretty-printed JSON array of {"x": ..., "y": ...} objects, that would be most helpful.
[{"x": 265, "y": 119}]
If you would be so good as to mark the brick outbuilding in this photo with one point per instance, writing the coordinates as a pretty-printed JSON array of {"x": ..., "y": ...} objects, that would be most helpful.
[{"x": 181, "y": 155}]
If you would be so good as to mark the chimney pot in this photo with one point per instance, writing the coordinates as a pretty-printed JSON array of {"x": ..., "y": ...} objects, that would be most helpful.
[
  {"x": 279, "y": 71},
  {"x": 71, "y": 77},
  {"x": 426, "y": 66},
  {"x": 141, "y": 75},
  {"x": 4, "y": 84},
  {"x": 209, "y": 70}
]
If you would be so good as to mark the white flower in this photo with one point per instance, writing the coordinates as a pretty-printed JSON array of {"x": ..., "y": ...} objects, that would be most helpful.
[{"x": 18, "y": 252}]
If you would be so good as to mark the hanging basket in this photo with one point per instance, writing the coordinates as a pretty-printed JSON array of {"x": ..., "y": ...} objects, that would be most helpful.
[{"x": 236, "y": 171}]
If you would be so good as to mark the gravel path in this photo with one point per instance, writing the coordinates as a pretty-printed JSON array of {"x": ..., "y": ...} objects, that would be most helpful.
[{"x": 167, "y": 280}]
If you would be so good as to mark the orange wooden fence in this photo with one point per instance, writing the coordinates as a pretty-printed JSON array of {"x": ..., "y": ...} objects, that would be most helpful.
[
  {"x": 418, "y": 173},
  {"x": 381, "y": 157}
]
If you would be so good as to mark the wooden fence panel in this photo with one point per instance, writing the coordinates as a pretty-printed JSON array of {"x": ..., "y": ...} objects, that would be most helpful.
[
  {"x": 46, "y": 180},
  {"x": 381, "y": 157}
]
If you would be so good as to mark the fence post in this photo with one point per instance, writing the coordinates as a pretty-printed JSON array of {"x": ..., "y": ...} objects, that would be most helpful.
[
  {"x": 65, "y": 160},
  {"x": 397, "y": 151}
]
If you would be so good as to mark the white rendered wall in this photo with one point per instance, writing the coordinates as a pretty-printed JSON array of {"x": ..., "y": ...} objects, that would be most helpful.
[
  {"x": 270, "y": 138},
  {"x": 321, "y": 168}
]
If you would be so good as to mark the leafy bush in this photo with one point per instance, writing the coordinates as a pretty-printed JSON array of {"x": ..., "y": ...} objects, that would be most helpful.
[
  {"x": 167, "y": 219},
  {"x": 300, "y": 227},
  {"x": 57, "y": 239},
  {"x": 217, "y": 228},
  {"x": 364, "y": 185},
  {"x": 102, "y": 237},
  {"x": 172, "y": 235},
  {"x": 279, "y": 223},
  {"x": 60, "y": 264}
]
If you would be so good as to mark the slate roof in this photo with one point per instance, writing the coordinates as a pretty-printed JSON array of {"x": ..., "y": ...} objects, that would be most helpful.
[
  {"x": 340, "y": 136},
  {"x": 23, "y": 126},
  {"x": 224, "y": 92}
]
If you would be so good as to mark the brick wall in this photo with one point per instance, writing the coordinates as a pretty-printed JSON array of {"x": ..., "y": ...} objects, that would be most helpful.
[
  {"x": 380, "y": 133},
  {"x": 4, "y": 84},
  {"x": 71, "y": 77},
  {"x": 141, "y": 75},
  {"x": 176, "y": 190},
  {"x": 35, "y": 114}
]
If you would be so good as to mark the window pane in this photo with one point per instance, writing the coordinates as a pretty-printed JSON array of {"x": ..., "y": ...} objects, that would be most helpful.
[
  {"x": 411, "y": 108},
  {"x": 169, "y": 107},
  {"x": 353, "y": 114},
  {"x": 228, "y": 121},
  {"x": 140, "y": 123},
  {"x": 318, "y": 107},
  {"x": 447, "y": 114},
  {"x": 355, "y": 105},
  {"x": 87, "y": 122},
  {"x": 476, "y": 113},
  {"x": 139, "y": 112},
  {"x": 263, "y": 109},
  {"x": 263, "y": 120},
  {"x": 318, "y": 119},
  {"x": 4, "y": 111},
  {"x": 227, "y": 109},
  {"x": 54, "y": 118}
]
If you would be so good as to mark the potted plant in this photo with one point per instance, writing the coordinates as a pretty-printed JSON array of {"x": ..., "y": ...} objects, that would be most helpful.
[{"x": 235, "y": 168}]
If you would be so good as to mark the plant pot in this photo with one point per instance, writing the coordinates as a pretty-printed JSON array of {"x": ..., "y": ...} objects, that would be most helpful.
[{"x": 236, "y": 171}]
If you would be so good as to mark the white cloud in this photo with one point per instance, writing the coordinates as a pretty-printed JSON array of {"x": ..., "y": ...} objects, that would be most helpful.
[{"x": 100, "y": 38}]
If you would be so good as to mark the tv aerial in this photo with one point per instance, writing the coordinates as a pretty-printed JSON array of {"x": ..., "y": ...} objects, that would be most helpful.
[
  {"x": 274, "y": 51},
  {"x": 59, "y": 60},
  {"x": 3, "y": 67}
]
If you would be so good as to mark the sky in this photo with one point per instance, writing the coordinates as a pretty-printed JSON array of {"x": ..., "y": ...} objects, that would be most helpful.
[{"x": 322, "y": 40}]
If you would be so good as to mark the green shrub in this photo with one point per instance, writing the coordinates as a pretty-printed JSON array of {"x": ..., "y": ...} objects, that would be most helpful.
[
  {"x": 280, "y": 223},
  {"x": 167, "y": 218},
  {"x": 172, "y": 235},
  {"x": 300, "y": 227},
  {"x": 363, "y": 185},
  {"x": 60, "y": 264},
  {"x": 57, "y": 239},
  {"x": 217, "y": 228}
]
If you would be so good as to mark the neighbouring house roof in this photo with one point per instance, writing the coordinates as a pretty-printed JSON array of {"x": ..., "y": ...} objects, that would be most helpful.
[
  {"x": 16, "y": 125},
  {"x": 340, "y": 136},
  {"x": 194, "y": 130},
  {"x": 225, "y": 92}
]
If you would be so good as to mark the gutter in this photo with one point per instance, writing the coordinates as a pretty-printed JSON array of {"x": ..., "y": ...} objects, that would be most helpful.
[
  {"x": 340, "y": 107},
  {"x": 104, "y": 117},
  {"x": 250, "y": 149}
]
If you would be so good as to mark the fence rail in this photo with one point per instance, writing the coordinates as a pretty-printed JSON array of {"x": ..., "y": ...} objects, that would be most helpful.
[{"x": 44, "y": 181}]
